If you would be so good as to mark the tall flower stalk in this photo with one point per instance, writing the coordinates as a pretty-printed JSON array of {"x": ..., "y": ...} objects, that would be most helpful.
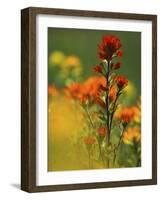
[
  {"x": 108, "y": 49},
  {"x": 107, "y": 101},
  {"x": 104, "y": 91}
]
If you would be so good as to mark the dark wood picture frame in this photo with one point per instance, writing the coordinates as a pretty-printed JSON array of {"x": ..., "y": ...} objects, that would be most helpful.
[{"x": 28, "y": 98}]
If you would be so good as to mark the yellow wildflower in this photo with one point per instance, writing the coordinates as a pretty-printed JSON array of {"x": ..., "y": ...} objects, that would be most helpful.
[
  {"x": 71, "y": 62},
  {"x": 56, "y": 58}
]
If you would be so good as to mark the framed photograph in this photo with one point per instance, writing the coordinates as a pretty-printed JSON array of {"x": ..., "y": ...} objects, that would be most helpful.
[{"x": 89, "y": 99}]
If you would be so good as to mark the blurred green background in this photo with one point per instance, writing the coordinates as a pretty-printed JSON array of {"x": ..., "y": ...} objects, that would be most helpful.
[{"x": 84, "y": 44}]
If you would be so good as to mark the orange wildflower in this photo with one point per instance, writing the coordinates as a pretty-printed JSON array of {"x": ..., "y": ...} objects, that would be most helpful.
[
  {"x": 93, "y": 87},
  {"x": 132, "y": 134},
  {"x": 112, "y": 93},
  {"x": 102, "y": 131},
  {"x": 137, "y": 112},
  {"x": 90, "y": 90},
  {"x": 71, "y": 61},
  {"x": 125, "y": 114},
  {"x": 76, "y": 91},
  {"x": 52, "y": 91},
  {"x": 94, "y": 84},
  {"x": 89, "y": 140}
]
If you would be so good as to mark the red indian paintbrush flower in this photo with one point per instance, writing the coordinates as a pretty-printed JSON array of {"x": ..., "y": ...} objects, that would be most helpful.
[
  {"x": 108, "y": 47},
  {"x": 121, "y": 81},
  {"x": 98, "y": 69}
]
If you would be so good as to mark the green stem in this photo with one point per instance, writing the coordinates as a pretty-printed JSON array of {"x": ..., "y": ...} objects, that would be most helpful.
[
  {"x": 117, "y": 147},
  {"x": 89, "y": 117},
  {"x": 137, "y": 155},
  {"x": 114, "y": 108},
  {"x": 92, "y": 124},
  {"x": 89, "y": 159},
  {"x": 107, "y": 101},
  {"x": 107, "y": 163},
  {"x": 99, "y": 145}
]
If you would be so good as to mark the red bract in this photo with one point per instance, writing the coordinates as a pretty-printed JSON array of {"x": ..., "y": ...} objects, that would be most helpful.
[
  {"x": 121, "y": 81},
  {"x": 110, "y": 45},
  {"x": 98, "y": 69},
  {"x": 118, "y": 65},
  {"x": 102, "y": 131},
  {"x": 119, "y": 53}
]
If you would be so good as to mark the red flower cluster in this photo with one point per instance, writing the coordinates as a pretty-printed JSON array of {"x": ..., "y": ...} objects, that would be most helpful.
[
  {"x": 108, "y": 47},
  {"x": 121, "y": 81}
]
